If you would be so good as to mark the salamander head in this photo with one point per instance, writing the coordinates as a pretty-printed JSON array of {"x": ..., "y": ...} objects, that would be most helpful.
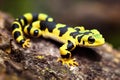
[{"x": 91, "y": 38}]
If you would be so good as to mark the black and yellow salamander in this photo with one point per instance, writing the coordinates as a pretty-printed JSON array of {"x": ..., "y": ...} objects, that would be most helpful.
[{"x": 37, "y": 25}]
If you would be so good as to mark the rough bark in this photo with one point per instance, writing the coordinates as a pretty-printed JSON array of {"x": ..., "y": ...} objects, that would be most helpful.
[{"x": 99, "y": 63}]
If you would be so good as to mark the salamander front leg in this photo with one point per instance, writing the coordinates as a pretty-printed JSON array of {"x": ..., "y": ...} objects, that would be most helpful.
[
  {"x": 26, "y": 43},
  {"x": 33, "y": 31},
  {"x": 66, "y": 54}
]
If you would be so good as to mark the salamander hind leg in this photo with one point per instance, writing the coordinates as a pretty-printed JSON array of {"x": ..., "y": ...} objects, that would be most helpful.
[{"x": 66, "y": 55}]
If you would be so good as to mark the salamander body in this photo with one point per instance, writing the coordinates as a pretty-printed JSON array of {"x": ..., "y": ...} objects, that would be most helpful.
[{"x": 37, "y": 25}]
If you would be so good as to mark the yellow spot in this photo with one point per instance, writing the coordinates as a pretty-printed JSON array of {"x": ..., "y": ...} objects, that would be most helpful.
[
  {"x": 42, "y": 16},
  {"x": 36, "y": 24},
  {"x": 50, "y": 19},
  {"x": 40, "y": 57},
  {"x": 60, "y": 25},
  {"x": 29, "y": 17}
]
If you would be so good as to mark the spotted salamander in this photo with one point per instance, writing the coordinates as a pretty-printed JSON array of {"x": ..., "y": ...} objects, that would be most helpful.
[{"x": 37, "y": 25}]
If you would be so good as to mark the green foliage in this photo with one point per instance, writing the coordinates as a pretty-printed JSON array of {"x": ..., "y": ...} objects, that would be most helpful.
[{"x": 18, "y": 7}]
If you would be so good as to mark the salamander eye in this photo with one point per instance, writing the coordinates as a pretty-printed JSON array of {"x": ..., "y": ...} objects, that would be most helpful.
[{"x": 91, "y": 40}]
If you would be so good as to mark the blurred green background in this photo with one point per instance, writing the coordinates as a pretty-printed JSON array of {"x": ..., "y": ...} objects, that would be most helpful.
[{"x": 101, "y": 14}]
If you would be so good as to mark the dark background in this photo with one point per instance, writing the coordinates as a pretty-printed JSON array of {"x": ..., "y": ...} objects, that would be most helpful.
[{"x": 101, "y": 14}]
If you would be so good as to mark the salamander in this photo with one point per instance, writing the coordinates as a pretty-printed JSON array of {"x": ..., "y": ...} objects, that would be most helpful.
[{"x": 41, "y": 24}]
